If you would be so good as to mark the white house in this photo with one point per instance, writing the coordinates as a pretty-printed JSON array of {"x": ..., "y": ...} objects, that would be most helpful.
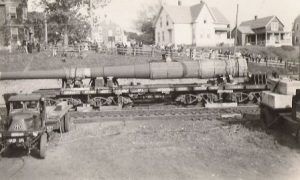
[
  {"x": 266, "y": 31},
  {"x": 198, "y": 25}
]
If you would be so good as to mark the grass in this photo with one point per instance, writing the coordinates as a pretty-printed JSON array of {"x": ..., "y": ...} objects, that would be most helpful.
[{"x": 44, "y": 61}]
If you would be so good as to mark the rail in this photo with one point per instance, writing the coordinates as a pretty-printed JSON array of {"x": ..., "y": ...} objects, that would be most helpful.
[{"x": 162, "y": 113}]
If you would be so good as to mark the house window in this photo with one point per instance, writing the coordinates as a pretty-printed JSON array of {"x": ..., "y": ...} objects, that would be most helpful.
[
  {"x": 163, "y": 36},
  {"x": 274, "y": 26},
  {"x": 158, "y": 37},
  {"x": 167, "y": 21},
  {"x": 13, "y": 12},
  {"x": 204, "y": 21},
  {"x": 170, "y": 36},
  {"x": 24, "y": 13}
]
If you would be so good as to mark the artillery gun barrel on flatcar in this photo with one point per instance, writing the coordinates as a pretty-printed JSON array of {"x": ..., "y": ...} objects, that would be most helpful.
[{"x": 161, "y": 70}]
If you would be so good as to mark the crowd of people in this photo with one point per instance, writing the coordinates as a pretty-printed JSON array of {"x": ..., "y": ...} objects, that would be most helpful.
[
  {"x": 27, "y": 46},
  {"x": 252, "y": 57}
]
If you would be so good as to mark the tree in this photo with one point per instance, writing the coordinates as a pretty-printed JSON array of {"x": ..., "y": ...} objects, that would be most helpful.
[
  {"x": 147, "y": 36},
  {"x": 65, "y": 19},
  {"x": 133, "y": 36},
  {"x": 144, "y": 23}
]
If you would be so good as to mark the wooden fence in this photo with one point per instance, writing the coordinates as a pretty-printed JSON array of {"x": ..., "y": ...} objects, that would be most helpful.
[
  {"x": 277, "y": 64},
  {"x": 174, "y": 54}
]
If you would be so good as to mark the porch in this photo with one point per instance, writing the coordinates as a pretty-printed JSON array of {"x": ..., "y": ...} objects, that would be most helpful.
[{"x": 267, "y": 39}]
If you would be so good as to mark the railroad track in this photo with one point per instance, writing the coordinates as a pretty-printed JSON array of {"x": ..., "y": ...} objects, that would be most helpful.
[
  {"x": 162, "y": 113},
  {"x": 157, "y": 112}
]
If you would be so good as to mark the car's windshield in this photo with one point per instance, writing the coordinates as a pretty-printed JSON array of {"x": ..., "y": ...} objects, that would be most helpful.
[
  {"x": 32, "y": 105},
  {"x": 17, "y": 105}
]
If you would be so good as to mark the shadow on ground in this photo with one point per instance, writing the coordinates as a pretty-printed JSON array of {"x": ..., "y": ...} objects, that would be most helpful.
[{"x": 283, "y": 133}]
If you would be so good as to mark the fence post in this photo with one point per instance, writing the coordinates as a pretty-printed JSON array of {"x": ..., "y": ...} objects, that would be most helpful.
[
  {"x": 285, "y": 65},
  {"x": 152, "y": 52}
]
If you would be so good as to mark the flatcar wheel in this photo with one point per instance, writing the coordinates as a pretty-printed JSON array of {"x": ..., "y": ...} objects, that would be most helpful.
[{"x": 43, "y": 146}]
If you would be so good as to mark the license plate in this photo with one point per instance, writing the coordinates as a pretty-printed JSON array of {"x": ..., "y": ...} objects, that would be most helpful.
[
  {"x": 49, "y": 128},
  {"x": 17, "y": 134}
]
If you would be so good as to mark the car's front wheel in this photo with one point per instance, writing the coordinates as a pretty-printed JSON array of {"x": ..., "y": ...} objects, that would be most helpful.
[{"x": 43, "y": 146}]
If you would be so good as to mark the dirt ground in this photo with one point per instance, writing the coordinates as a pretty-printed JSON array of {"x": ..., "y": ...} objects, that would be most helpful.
[{"x": 161, "y": 149}]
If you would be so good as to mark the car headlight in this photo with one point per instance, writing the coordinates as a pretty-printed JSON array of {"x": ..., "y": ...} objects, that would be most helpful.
[{"x": 35, "y": 134}]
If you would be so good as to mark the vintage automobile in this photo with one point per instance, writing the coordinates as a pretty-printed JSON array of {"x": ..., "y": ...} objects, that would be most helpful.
[{"x": 30, "y": 120}]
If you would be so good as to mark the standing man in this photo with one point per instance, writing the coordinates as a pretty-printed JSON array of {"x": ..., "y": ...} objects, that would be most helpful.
[
  {"x": 25, "y": 46},
  {"x": 38, "y": 46}
]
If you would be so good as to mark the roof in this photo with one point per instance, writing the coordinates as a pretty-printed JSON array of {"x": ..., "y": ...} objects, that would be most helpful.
[
  {"x": 188, "y": 15},
  {"x": 245, "y": 30},
  {"x": 222, "y": 29},
  {"x": 179, "y": 14},
  {"x": 258, "y": 23},
  {"x": 219, "y": 17},
  {"x": 25, "y": 97},
  {"x": 195, "y": 10},
  {"x": 296, "y": 23}
]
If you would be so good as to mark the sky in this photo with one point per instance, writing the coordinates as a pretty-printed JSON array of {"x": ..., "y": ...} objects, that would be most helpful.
[{"x": 125, "y": 12}]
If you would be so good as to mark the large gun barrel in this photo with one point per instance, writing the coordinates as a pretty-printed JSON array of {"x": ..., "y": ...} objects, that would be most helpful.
[{"x": 162, "y": 70}]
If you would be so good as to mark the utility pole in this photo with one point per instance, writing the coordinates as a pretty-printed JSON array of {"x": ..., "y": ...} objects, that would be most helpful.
[
  {"x": 299, "y": 54},
  {"x": 236, "y": 28},
  {"x": 46, "y": 29},
  {"x": 91, "y": 19}
]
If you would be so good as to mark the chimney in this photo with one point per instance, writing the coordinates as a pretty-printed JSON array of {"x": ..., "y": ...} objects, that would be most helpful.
[
  {"x": 255, "y": 17},
  {"x": 179, "y": 3}
]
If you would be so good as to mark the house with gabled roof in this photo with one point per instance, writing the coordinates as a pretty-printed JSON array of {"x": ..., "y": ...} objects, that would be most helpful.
[
  {"x": 266, "y": 31},
  {"x": 198, "y": 25}
]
